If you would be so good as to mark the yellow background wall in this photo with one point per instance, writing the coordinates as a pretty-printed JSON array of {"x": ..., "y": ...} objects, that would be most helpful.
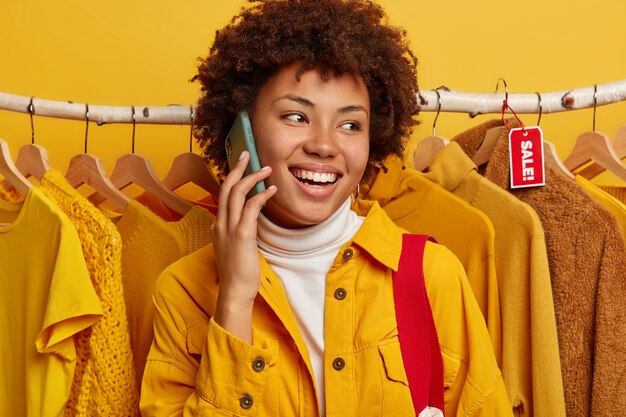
[{"x": 143, "y": 53}]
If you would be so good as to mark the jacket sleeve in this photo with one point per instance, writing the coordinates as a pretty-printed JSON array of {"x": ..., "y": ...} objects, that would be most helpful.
[
  {"x": 196, "y": 368},
  {"x": 473, "y": 385}
]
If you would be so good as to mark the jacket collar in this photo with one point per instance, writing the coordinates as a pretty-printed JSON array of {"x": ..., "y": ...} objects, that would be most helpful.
[
  {"x": 450, "y": 167},
  {"x": 378, "y": 236}
]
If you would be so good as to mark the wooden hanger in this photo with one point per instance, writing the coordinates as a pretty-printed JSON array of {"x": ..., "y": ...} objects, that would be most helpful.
[
  {"x": 10, "y": 172},
  {"x": 136, "y": 169},
  {"x": 550, "y": 155},
  {"x": 32, "y": 161},
  {"x": 619, "y": 146},
  {"x": 551, "y": 158},
  {"x": 190, "y": 167},
  {"x": 88, "y": 169},
  {"x": 595, "y": 146},
  {"x": 426, "y": 150},
  {"x": 484, "y": 151},
  {"x": 428, "y": 147}
]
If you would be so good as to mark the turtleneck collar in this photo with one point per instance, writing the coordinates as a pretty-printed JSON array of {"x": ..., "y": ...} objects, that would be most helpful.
[{"x": 279, "y": 241}]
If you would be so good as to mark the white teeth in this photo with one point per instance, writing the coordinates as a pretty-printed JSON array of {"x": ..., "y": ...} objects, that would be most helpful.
[{"x": 323, "y": 177}]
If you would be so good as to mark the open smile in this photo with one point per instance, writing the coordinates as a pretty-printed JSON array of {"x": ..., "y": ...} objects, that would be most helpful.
[{"x": 315, "y": 179}]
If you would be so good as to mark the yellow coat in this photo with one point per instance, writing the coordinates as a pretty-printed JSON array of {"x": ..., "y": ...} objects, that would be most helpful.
[{"x": 196, "y": 368}]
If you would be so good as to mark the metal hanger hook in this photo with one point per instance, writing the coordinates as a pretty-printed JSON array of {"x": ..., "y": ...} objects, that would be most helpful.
[
  {"x": 133, "y": 137},
  {"x": 540, "y": 107},
  {"x": 191, "y": 116},
  {"x": 31, "y": 112},
  {"x": 506, "y": 89},
  {"x": 438, "y": 111},
  {"x": 86, "y": 124},
  {"x": 595, "y": 104}
]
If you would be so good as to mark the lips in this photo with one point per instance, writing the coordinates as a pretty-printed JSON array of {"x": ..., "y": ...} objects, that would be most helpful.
[{"x": 315, "y": 178}]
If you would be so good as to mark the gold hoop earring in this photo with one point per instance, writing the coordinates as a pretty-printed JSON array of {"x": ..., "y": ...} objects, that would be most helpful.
[{"x": 357, "y": 192}]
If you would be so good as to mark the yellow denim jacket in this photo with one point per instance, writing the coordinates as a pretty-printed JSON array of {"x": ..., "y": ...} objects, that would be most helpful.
[{"x": 195, "y": 368}]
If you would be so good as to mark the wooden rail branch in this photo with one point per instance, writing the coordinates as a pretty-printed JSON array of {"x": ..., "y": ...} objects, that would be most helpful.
[
  {"x": 170, "y": 115},
  {"x": 480, "y": 103},
  {"x": 451, "y": 101}
]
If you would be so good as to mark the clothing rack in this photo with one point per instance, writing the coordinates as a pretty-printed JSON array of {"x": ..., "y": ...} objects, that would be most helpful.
[{"x": 442, "y": 99}]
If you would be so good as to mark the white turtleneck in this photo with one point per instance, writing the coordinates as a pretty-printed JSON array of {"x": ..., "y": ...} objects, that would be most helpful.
[{"x": 301, "y": 258}]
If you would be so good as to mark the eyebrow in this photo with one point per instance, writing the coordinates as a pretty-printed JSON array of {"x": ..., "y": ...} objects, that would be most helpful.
[{"x": 308, "y": 103}]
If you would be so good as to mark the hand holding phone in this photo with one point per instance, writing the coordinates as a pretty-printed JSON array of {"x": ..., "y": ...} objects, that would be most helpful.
[{"x": 239, "y": 139}]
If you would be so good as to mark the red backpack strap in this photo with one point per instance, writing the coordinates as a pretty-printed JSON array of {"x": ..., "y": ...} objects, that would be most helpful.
[{"x": 419, "y": 342}]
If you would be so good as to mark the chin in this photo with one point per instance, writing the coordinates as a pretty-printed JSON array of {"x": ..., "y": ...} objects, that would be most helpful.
[{"x": 296, "y": 220}]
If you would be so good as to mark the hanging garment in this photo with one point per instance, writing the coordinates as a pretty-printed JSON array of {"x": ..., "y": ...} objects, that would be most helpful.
[
  {"x": 420, "y": 206},
  {"x": 606, "y": 200},
  {"x": 588, "y": 272},
  {"x": 46, "y": 297},
  {"x": 10, "y": 194},
  {"x": 206, "y": 201},
  {"x": 149, "y": 244},
  {"x": 616, "y": 191},
  {"x": 104, "y": 379},
  {"x": 196, "y": 365},
  {"x": 531, "y": 367}
]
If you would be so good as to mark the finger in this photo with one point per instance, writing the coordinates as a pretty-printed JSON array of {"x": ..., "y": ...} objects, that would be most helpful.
[
  {"x": 253, "y": 207},
  {"x": 239, "y": 192},
  {"x": 225, "y": 188}
]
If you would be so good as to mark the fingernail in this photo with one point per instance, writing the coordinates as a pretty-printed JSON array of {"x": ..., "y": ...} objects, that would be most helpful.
[
  {"x": 265, "y": 168},
  {"x": 271, "y": 187},
  {"x": 243, "y": 155}
]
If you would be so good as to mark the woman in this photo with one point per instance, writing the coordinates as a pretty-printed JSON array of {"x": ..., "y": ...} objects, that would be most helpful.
[{"x": 291, "y": 310}]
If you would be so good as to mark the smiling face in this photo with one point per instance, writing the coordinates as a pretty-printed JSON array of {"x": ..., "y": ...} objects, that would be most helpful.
[{"x": 314, "y": 133}]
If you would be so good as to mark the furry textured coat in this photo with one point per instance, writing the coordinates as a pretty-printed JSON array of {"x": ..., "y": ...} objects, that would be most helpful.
[{"x": 588, "y": 271}]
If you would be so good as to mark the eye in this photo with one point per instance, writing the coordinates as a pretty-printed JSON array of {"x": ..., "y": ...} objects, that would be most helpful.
[
  {"x": 295, "y": 117},
  {"x": 351, "y": 125}
]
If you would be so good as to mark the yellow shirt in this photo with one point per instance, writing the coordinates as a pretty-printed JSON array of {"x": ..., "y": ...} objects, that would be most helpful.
[
  {"x": 196, "y": 368},
  {"x": 150, "y": 244},
  {"x": 46, "y": 297},
  {"x": 104, "y": 379},
  {"x": 606, "y": 200},
  {"x": 421, "y": 206},
  {"x": 531, "y": 365}
]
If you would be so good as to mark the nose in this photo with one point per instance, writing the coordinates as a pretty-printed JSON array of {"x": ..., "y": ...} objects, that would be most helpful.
[{"x": 322, "y": 143}]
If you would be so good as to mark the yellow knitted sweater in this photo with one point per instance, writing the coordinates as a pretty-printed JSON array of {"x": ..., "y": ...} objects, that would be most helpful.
[
  {"x": 150, "y": 245},
  {"x": 104, "y": 380}
]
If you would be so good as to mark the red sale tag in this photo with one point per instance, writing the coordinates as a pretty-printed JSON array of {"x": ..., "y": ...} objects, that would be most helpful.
[{"x": 526, "y": 157}]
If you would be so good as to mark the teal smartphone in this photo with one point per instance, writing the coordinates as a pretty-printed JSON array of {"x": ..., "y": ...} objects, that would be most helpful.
[{"x": 239, "y": 139}]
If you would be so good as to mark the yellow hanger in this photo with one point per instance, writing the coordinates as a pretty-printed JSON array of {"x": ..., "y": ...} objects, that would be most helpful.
[{"x": 88, "y": 169}]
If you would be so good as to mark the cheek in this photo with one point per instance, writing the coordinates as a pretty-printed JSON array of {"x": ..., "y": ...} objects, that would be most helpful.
[{"x": 357, "y": 157}]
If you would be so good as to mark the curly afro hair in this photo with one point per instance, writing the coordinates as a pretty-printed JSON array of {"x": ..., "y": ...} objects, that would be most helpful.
[{"x": 334, "y": 36}]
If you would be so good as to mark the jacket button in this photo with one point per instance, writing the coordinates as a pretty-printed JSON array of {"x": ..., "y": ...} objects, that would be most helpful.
[
  {"x": 246, "y": 401},
  {"x": 347, "y": 254},
  {"x": 340, "y": 293},
  {"x": 258, "y": 364},
  {"x": 339, "y": 364}
]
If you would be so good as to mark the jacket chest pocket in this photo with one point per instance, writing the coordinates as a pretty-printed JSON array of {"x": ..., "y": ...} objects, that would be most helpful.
[{"x": 395, "y": 394}]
